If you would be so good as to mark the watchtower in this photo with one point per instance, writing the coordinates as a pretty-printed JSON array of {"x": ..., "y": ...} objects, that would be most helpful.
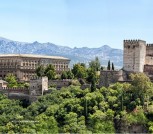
[
  {"x": 38, "y": 86},
  {"x": 134, "y": 55}
]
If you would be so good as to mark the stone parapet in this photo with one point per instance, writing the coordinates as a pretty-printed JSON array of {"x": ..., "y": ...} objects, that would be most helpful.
[{"x": 14, "y": 90}]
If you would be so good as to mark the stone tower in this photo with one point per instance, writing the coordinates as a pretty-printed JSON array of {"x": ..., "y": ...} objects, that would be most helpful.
[
  {"x": 134, "y": 55},
  {"x": 38, "y": 86}
]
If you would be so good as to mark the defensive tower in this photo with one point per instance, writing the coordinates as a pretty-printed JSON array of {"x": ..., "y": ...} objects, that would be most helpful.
[{"x": 134, "y": 55}]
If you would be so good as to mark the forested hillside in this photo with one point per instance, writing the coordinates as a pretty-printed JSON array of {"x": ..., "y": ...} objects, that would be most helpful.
[{"x": 72, "y": 110}]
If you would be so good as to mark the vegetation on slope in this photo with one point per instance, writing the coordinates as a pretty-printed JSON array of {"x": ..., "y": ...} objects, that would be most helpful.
[{"x": 72, "y": 110}]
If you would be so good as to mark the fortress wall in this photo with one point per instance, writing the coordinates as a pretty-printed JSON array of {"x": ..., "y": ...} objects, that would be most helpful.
[
  {"x": 59, "y": 83},
  {"x": 149, "y": 60},
  {"x": 149, "y": 54},
  {"x": 109, "y": 76},
  {"x": 14, "y": 90},
  {"x": 149, "y": 50},
  {"x": 148, "y": 69}
]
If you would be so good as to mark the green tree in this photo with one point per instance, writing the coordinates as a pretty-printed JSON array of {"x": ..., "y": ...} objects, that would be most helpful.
[
  {"x": 91, "y": 78},
  {"x": 70, "y": 75},
  {"x": 95, "y": 64},
  {"x": 100, "y": 123},
  {"x": 79, "y": 71},
  {"x": 40, "y": 71},
  {"x": 46, "y": 124},
  {"x": 142, "y": 87},
  {"x": 109, "y": 66},
  {"x": 83, "y": 64},
  {"x": 64, "y": 75},
  {"x": 71, "y": 125},
  {"x": 50, "y": 72},
  {"x": 81, "y": 125},
  {"x": 150, "y": 124},
  {"x": 93, "y": 84},
  {"x": 11, "y": 79},
  {"x": 102, "y": 68},
  {"x": 112, "y": 66},
  {"x": 49, "y": 67},
  {"x": 90, "y": 74}
]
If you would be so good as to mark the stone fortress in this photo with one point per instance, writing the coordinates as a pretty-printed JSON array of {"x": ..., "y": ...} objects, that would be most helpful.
[
  {"x": 38, "y": 86},
  {"x": 137, "y": 57}
]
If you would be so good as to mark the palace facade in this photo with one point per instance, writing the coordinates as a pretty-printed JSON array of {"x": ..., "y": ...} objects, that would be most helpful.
[{"x": 23, "y": 66}]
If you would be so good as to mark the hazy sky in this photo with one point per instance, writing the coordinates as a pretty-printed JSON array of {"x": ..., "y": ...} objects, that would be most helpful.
[{"x": 77, "y": 23}]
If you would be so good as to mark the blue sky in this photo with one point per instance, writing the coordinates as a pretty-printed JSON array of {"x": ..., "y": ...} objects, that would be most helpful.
[{"x": 77, "y": 23}]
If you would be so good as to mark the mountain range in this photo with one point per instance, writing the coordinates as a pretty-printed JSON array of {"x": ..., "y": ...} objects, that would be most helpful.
[{"x": 83, "y": 54}]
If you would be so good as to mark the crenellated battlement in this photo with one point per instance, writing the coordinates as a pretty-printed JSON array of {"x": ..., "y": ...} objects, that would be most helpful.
[
  {"x": 135, "y": 41},
  {"x": 14, "y": 90},
  {"x": 131, "y": 41},
  {"x": 149, "y": 53},
  {"x": 149, "y": 45}
]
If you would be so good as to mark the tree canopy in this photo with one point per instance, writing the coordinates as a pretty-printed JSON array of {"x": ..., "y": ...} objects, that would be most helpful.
[
  {"x": 95, "y": 64},
  {"x": 79, "y": 71},
  {"x": 40, "y": 71},
  {"x": 48, "y": 71},
  {"x": 73, "y": 110},
  {"x": 11, "y": 79}
]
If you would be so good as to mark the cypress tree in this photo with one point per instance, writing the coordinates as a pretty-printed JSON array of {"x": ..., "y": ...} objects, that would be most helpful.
[
  {"x": 112, "y": 66},
  {"x": 109, "y": 67}
]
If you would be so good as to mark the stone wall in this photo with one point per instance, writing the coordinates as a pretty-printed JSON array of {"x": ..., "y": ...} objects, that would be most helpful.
[
  {"x": 108, "y": 77},
  {"x": 14, "y": 90},
  {"x": 148, "y": 69},
  {"x": 59, "y": 83},
  {"x": 149, "y": 60},
  {"x": 84, "y": 86},
  {"x": 149, "y": 54},
  {"x": 125, "y": 127},
  {"x": 149, "y": 50},
  {"x": 36, "y": 89}
]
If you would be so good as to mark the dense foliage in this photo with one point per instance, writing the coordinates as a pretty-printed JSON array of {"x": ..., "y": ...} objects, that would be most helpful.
[
  {"x": 73, "y": 110},
  {"x": 48, "y": 71},
  {"x": 12, "y": 81},
  {"x": 95, "y": 64}
]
